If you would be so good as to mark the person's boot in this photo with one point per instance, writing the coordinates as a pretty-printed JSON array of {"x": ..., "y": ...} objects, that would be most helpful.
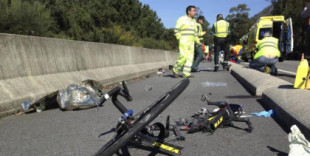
[
  {"x": 273, "y": 70},
  {"x": 175, "y": 75},
  {"x": 216, "y": 68},
  {"x": 225, "y": 67}
]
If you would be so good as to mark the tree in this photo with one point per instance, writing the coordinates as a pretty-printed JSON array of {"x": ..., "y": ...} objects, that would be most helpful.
[
  {"x": 239, "y": 22},
  {"x": 126, "y": 22},
  {"x": 22, "y": 17}
]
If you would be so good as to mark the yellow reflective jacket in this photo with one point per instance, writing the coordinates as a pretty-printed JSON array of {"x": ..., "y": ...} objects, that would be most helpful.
[
  {"x": 186, "y": 28},
  {"x": 200, "y": 32},
  {"x": 268, "y": 47},
  {"x": 221, "y": 28}
]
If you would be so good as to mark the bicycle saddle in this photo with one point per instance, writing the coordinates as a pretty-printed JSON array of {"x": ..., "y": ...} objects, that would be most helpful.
[{"x": 218, "y": 103}]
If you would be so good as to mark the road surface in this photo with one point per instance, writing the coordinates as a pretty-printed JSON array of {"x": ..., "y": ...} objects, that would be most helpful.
[{"x": 55, "y": 132}]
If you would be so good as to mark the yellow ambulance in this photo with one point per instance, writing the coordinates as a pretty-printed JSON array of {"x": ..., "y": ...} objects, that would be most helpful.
[{"x": 278, "y": 26}]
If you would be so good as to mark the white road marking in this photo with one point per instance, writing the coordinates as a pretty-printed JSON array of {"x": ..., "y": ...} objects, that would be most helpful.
[
  {"x": 288, "y": 72},
  {"x": 283, "y": 71}
]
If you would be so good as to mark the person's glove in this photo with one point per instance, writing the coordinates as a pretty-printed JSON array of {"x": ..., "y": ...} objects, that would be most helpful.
[{"x": 263, "y": 113}]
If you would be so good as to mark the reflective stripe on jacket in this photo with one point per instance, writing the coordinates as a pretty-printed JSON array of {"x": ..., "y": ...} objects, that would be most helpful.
[
  {"x": 186, "y": 28},
  {"x": 200, "y": 32}
]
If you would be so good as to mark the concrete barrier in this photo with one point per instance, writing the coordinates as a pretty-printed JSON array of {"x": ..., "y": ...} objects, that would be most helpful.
[
  {"x": 254, "y": 81},
  {"x": 292, "y": 106},
  {"x": 31, "y": 67}
]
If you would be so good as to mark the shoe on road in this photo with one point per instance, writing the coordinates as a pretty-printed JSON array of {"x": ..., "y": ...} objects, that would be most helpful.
[
  {"x": 175, "y": 75},
  {"x": 216, "y": 69}
]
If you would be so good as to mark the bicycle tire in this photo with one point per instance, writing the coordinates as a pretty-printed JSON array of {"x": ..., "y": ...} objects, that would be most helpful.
[{"x": 148, "y": 114}]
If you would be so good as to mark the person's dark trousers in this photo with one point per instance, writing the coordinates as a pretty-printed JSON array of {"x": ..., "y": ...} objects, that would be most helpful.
[
  {"x": 221, "y": 44},
  {"x": 261, "y": 62},
  {"x": 198, "y": 57}
]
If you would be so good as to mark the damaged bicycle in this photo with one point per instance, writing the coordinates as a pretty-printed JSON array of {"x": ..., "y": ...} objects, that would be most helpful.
[{"x": 135, "y": 128}]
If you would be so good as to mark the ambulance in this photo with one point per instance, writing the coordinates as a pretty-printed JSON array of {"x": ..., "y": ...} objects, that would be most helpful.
[{"x": 278, "y": 26}]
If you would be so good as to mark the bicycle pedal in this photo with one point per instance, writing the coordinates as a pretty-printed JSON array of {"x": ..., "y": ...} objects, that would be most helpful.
[{"x": 267, "y": 70}]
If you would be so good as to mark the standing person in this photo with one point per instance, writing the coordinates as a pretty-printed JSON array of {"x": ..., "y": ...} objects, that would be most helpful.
[
  {"x": 198, "y": 53},
  {"x": 221, "y": 31},
  {"x": 267, "y": 54},
  {"x": 186, "y": 33}
]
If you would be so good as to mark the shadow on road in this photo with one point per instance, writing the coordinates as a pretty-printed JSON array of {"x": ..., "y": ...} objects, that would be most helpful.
[
  {"x": 287, "y": 75},
  {"x": 125, "y": 152},
  {"x": 279, "y": 153},
  {"x": 274, "y": 117},
  {"x": 242, "y": 97},
  {"x": 286, "y": 87}
]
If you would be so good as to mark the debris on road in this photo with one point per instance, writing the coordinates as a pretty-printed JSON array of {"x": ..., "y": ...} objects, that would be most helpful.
[
  {"x": 161, "y": 71},
  {"x": 214, "y": 84},
  {"x": 299, "y": 145},
  {"x": 264, "y": 113},
  {"x": 148, "y": 88},
  {"x": 85, "y": 95},
  {"x": 207, "y": 121}
]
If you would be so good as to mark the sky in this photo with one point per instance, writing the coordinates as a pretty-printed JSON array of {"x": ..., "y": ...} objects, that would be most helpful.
[{"x": 170, "y": 10}]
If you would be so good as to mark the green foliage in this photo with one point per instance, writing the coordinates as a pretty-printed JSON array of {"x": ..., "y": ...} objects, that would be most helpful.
[
  {"x": 239, "y": 22},
  {"x": 117, "y": 35},
  {"x": 170, "y": 39},
  {"x": 22, "y": 17},
  {"x": 153, "y": 44},
  {"x": 126, "y": 22}
]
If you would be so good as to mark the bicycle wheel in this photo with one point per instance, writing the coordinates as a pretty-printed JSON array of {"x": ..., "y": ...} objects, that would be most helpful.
[{"x": 143, "y": 119}]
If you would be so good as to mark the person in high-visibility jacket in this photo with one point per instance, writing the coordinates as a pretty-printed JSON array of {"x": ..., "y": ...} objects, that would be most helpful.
[
  {"x": 236, "y": 52},
  {"x": 221, "y": 30},
  {"x": 187, "y": 35},
  {"x": 198, "y": 53},
  {"x": 267, "y": 54}
]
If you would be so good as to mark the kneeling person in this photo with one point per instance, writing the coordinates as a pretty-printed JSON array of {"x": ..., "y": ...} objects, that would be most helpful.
[{"x": 267, "y": 55}]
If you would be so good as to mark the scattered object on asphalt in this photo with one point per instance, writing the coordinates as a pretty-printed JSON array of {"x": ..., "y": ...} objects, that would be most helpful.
[
  {"x": 213, "y": 84},
  {"x": 40, "y": 107},
  {"x": 299, "y": 145},
  {"x": 302, "y": 74},
  {"x": 26, "y": 105},
  {"x": 207, "y": 121},
  {"x": 148, "y": 88},
  {"x": 160, "y": 72},
  {"x": 85, "y": 95},
  {"x": 264, "y": 113},
  {"x": 39, "y": 104},
  {"x": 82, "y": 96},
  {"x": 170, "y": 67}
]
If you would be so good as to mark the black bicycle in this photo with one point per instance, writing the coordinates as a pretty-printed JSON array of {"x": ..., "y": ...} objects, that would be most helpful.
[
  {"x": 224, "y": 116},
  {"x": 134, "y": 128}
]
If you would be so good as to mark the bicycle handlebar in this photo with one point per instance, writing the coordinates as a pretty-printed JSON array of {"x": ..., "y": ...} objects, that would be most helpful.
[{"x": 114, "y": 93}]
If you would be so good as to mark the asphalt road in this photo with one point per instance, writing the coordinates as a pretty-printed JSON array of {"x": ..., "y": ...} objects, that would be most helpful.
[
  {"x": 54, "y": 132},
  {"x": 286, "y": 70}
]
